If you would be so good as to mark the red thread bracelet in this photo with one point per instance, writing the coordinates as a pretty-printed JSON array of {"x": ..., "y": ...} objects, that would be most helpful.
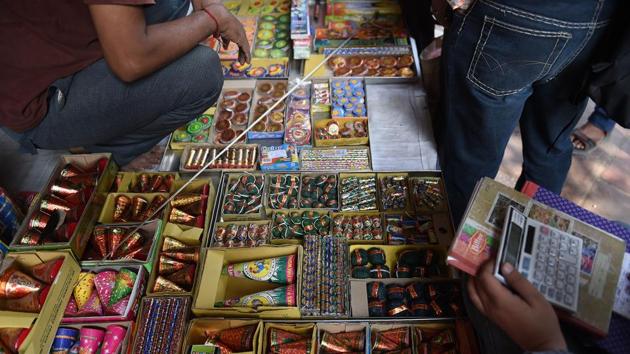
[{"x": 216, "y": 23}]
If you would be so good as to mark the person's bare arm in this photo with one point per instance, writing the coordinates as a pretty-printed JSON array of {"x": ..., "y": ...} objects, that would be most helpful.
[{"x": 133, "y": 50}]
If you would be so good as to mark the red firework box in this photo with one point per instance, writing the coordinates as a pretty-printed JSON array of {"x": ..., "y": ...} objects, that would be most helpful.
[
  {"x": 288, "y": 338},
  {"x": 342, "y": 337},
  {"x": 63, "y": 214},
  {"x": 36, "y": 271},
  {"x": 234, "y": 335},
  {"x": 237, "y": 282},
  {"x": 106, "y": 294}
]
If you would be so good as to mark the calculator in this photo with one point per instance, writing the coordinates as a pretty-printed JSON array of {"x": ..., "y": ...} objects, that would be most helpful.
[{"x": 549, "y": 258}]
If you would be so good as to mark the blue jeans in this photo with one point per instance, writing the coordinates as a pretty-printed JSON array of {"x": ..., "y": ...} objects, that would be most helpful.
[
  {"x": 95, "y": 110},
  {"x": 509, "y": 62},
  {"x": 600, "y": 119}
]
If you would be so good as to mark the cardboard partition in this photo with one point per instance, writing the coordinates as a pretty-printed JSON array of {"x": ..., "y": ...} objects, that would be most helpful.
[
  {"x": 125, "y": 347},
  {"x": 152, "y": 232},
  {"x": 191, "y": 236},
  {"x": 213, "y": 287},
  {"x": 134, "y": 297},
  {"x": 107, "y": 213},
  {"x": 81, "y": 235},
  {"x": 305, "y": 329},
  {"x": 43, "y": 324},
  {"x": 341, "y": 327},
  {"x": 199, "y": 328},
  {"x": 391, "y": 258},
  {"x": 130, "y": 179}
]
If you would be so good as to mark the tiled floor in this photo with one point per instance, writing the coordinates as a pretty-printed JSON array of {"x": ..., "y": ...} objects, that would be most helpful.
[{"x": 599, "y": 182}]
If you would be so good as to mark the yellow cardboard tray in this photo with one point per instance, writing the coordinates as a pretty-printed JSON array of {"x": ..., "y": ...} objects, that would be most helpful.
[{"x": 199, "y": 327}]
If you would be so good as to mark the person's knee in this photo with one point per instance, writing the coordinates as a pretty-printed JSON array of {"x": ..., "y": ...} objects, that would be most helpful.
[{"x": 202, "y": 73}]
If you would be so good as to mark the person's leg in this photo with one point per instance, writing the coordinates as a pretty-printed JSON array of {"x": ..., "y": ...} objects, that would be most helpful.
[
  {"x": 101, "y": 113},
  {"x": 586, "y": 137}
]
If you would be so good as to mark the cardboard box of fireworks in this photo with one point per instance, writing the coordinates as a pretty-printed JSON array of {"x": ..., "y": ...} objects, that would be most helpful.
[
  {"x": 299, "y": 336},
  {"x": 63, "y": 215},
  {"x": 351, "y": 334},
  {"x": 206, "y": 334},
  {"x": 106, "y": 294},
  {"x": 241, "y": 283},
  {"x": 35, "y": 272},
  {"x": 177, "y": 265},
  {"x": 103, "y": 337},
  {"x": 144, "y": 182}
]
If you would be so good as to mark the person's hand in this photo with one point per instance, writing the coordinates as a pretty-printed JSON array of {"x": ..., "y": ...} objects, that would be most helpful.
[
  {"x": 525, "y": 315},
  {"x": 230, "y": 30}
]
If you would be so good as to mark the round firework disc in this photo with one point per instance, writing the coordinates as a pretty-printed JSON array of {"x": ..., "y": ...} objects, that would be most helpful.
[
  {"x": 284, "y": 9},
  {"x": 241, "y": 108},
  {"x": 261, "y": 53},
  {"x": 260, "y": 109},
  {"x": 241, "y": 68},
  {"x": 280, "y": 86},
  {"x": 227, "y": 136},
  {"x": 277, "y": 53},
  {"x": 257, "y": 3},
  {"x": 338, "y": 112},
  {"x": 389, "y": 62},
  {"x": 267, "y": 9},
  {"x": 266, "y": 26},
  {"x": 276, "y": 70},
  {"x": 354, "y": 62},
  {"x": 300, "y": 93},
  {"x": 359, "y": 71},
  {"x": 372, "y": 72},
  {"x": 274, "y": 127},
  {"x": 343, "y": 71},
  {"x": 281, "y": 44},
  {"x": 199, "y": 138},
  {"x": 332, "y": 128},
  {"x": 260, "y": 127},
  {"x": 226, "y": 115},
  {"x": 181, "y": 136},
  {"x": 284, "y": 19},
  {"x": 372, "y": 63},
  {"x": 298, "y": 135},
  {"x": 405, "y": 61},
  {"x": 298, "y": 118},
  {"x": 194, "y": 127},
  {"x": 406, "y": 72},
  {"x": 232, "y": 94},
  {"x": 228, "y": 104},
  {"x": 337, "y": 62},
  {"x": 257, "y": 71},
  {"x": 244, "y": 97},
  {"x": 206, "y": 120},
  {"x": 302, "y": 104},
  {"x": 277, "y": 94},
  {"x": 265, "y": 35},
  {"x": 283, "y": 27},
  {"x": 240, "y": 119},
  {"x": 222, "y": 125},
  {"x": 280, "y": 107},
  {"x": 277, "y": 117},
  {"x": 282, "y": 36},
  {"x": 265, "y": 88},
  {"x": 264, "y": 44},
  {"x": 388, "y": 72},
  {"x": 268, "y": 18}
]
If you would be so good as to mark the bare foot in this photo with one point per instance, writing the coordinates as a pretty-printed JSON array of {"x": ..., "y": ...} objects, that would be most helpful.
[
  {"x": 150, "y": 160},
  {"x": 591, "y": 131}
]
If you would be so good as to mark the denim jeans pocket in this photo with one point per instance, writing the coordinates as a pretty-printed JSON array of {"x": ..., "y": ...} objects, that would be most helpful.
[{"x": 509, "y": 58}]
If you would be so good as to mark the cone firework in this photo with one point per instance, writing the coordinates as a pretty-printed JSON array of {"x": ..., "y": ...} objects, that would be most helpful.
[
  {"x": 135, "y": 254},
  {"x": 190, "y": 254},
  {"x": 92, "y": 306},
  {"x": 195, "y": 208},
  {"x": 90, "y": 340},
  {"x": 114, "y": 237},
  {"x": 282, "y": 296},
  {"x": 31, "y": 238},
  {"x": 168, "y": 181},
  {"x": 143, "y": 183},
  {"x": 172, "y": 244},
  {"x": 237, "y": 339},
  {"x": 99, "y": 238},
  {"x": 113, "y": 339},
  {"x": 84, "y": 288},
  {"x": 164, "y": 285},
  {"x": 302, "y": 346},
  {"x": 64, "y": 340},
  {"x": 86, "y": 180},
  {"x": 13, "y": 338},
  {"x": 119, "y": 308},
  {"x": 15, "y": 284},
  {"x": 104, "y": 283},
  {"x": 184, "y": 277},
  {"x": 71, "y": 308},
  {"x": 68, "y": 191},
  {"x": 279, "y": 270},
  {"x": 180, "y": 217},
  {"x": 169, "y": 265},
  {"x": 132, "y": 243},
  {"x": 345, "y": 342},
  {"x": 391, "y": 340},
  {"x": 52, "y": 203},
  {"x": 187, "y": 199},
  {"x": 122, "y": 205},
  {"x": 156, "y": 183},
  {"x": 125, "y": 279},
  {"x": 47, "y": 271},
  {"x": 29, "y": 303},
  {"x": 278, "y": 336},
  {"x": 70, "y": 170},
  {"x": 157, "y": 201},
  {"x": 139, "y": 206}
]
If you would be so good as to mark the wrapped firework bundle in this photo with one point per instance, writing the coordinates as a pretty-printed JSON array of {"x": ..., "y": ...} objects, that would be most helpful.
[
  {"x": 241, "y": 234},
  {"x": 176, "y": 266},
  {"x": 281, "y": 341},
  {"x": 25, "y": 290},
  {"x": 283, "y": 191},
  {"x": 344, "y": 342},
  {"x": 189, "y": 208},
  {"x": 161, "y": 325},
  {"x": 244, "y": 195},
  {"x": 358, "y": 193},
  {"x": 296, "y": 224},
  {"x": 233, "y": 340}
]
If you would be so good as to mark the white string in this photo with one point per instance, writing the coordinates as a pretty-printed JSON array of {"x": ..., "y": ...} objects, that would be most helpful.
[{"x": 298, "y": 83}]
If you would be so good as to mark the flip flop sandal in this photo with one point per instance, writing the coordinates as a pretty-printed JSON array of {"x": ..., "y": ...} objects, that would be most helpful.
[{"x": 589, "y": 144}]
